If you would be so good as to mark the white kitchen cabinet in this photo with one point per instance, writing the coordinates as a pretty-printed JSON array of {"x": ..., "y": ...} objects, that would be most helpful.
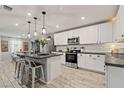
[
  {"x": 115, "y": 77},
  {"x": 99, "y": 63},
  {"x": 105, "y": 33},
  {"x": 118, "y": 25},
  {"x": 73, "y": 33},
  {"x": 60, "y": 38},
  {"x": 81, "y": 60},
  {"x": 83, "y": 35},
  {"x": 95, "y": 62},
  {"x": 89, "y": 62},
  {"x": 91, "y": 34}
]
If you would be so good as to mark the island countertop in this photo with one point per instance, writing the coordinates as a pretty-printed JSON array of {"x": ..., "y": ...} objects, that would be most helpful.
[
  {"x": 114, "y": 61},
  {"x": 38, "y": 56}
]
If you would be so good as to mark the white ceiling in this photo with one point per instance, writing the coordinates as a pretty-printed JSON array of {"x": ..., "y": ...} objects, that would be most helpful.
[{"x": 66, "y": 16}]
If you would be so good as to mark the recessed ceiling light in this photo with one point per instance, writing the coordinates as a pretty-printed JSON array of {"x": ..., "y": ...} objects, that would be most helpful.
[
  {"x": 82, "y": 18},
  {"x": 29, "y": 14},
  {"x": 57, "y": 26},
  {"x": 16, "y": 24}
]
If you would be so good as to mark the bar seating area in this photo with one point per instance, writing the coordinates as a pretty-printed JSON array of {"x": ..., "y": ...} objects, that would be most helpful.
[{"x": 28, "y": 72}]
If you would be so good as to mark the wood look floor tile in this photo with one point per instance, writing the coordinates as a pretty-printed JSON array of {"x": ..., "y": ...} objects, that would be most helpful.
[{"x": 70, "y": 78}]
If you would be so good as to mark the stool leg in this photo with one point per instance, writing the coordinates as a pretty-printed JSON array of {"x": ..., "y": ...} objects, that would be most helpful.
[
  {"x": 17, "y": 70},
  {"x": 42, "y": 73},
  {"x": 15, "y": 67},
  {"x": 27, "y": 75},
  {"x": 33, "y": 77}
]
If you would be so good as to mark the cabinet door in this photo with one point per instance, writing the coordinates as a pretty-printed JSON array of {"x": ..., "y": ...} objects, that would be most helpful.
[
  {"x": 105, "y": 33},
  {"x": 115, "y": 76},
  {"x": 89, "y": 62},
  {"x": 92, "y": 34},
  {"x": 60, "y": 38},
  {"x": 118, "y": 25},
  {"x": 81, "y": 60},
  {"x": 95, "y": 62},
  {"x": 121, "y": 19},
  {"x": 99, "y": 63},
  {"x": 70, "y": 34},
  {"x": 83, "y": 35},
  {"x": 57, "y": 39}
]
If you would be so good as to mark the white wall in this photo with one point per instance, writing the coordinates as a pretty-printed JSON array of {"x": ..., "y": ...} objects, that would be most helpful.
[{"x": 14, "y": 45}]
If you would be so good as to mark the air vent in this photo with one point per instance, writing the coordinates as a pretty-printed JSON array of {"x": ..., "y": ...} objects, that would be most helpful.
[{"x": 5, "y": 7}]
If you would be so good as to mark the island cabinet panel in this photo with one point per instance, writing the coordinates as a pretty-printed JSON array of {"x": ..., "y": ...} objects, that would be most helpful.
[
  {"x": 114, "y": 77},
  {"x": 53, "y": 68}
]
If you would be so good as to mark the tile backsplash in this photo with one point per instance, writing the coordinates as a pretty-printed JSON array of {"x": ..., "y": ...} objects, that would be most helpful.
[{"x": 106, "y": 47}]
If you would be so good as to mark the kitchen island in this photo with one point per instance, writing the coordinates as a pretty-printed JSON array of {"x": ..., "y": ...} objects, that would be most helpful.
[
  {"x": 51, "y": 64},
  {"x": 114, "y": 70}
]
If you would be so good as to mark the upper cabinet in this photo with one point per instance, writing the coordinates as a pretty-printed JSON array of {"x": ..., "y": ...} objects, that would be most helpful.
[
  {"x": 60, "y": 38},
  {"x": 100, "y": 33},
  {"x": 119, "y": 25},
  {"x": 105, "y": 33},
  {"x": 91, "y": 34}
]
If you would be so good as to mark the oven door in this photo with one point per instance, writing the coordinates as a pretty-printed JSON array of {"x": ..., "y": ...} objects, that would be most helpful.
[{"x": 71, "y": 57}]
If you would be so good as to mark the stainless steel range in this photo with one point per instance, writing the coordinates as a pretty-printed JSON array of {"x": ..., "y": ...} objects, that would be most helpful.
[{"x": 71, "y": 58}]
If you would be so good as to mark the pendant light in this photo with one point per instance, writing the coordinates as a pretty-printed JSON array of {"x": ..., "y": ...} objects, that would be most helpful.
[
  {"x": 29, "y": 33},
  {"x": 35, "y": 32},
  {"x": 44, "y": 29}
]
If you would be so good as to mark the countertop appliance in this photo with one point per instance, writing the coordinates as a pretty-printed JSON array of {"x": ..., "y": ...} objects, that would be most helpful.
[
  {"x": 71, "y": 58},
  {"x": 73, "y": 41}
]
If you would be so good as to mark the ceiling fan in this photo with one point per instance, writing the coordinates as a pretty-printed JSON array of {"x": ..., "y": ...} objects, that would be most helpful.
[{"x": 5, "y": 7}]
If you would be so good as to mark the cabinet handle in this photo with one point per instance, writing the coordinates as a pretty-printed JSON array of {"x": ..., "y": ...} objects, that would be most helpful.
[
  {"x": 98, "y": 56},
  {"x": 90, "y": 55}
]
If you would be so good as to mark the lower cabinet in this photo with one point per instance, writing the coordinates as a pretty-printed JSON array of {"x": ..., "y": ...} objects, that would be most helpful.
[
  {"x": 63, "y": 59},
  {"x": 81, "y": 60},
  {"x": 114, "y": 77},
  {"x": 92, "y": 62}
]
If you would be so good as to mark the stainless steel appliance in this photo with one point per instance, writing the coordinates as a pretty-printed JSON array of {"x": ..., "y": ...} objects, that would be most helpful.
[
  {"x": 73, "y": 40},
  {"x": 71, "y": 58}
]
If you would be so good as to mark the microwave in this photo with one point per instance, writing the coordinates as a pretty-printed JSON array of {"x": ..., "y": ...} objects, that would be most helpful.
[{"x": 73, "y": 41}]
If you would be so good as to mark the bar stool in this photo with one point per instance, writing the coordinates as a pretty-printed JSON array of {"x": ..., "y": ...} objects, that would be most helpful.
[
  {"x": 34, "y": 71},
  {"x": 19, "y": 69}
]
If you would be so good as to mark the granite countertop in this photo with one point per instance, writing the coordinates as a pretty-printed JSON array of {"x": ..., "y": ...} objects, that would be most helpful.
[
  {"x": 117, "y": 60},
  {"x": 38, "y": 56},
  {"x": 97, "y": 53}
]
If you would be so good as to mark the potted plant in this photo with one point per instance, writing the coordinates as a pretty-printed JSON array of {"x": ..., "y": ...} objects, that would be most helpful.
[{"x": 43, "y": 43}]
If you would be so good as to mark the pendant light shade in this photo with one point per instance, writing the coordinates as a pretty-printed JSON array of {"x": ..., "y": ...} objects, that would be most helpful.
[
  {"x": 29, "y": 33},
  {"x": 35, "y": 32},
  {"x": 43, "y": 28}
]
